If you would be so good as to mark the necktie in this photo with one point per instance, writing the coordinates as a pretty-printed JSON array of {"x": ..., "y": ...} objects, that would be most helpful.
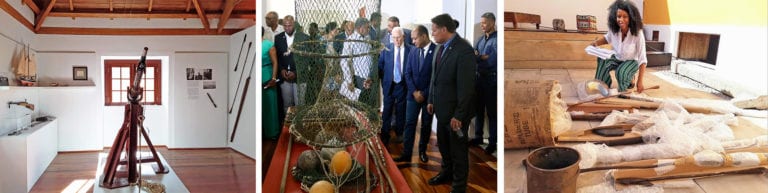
[
  {"x": 397, "y": 65},
  {"x": 421, "y": 58},
  {"x": 439, "y": 56}
]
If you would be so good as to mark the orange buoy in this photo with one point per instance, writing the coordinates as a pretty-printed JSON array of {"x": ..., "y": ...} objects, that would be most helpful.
[
  {"x": 341, "y": 163},
  {"x": 322, "y": 186}
]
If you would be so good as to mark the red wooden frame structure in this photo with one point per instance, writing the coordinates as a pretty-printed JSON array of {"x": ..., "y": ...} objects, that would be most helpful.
[{"x": 127, "y": 140}]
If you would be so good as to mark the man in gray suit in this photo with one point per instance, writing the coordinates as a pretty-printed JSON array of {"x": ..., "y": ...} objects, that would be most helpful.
[
  {"x": 451, "y": 99},
  {"x": 392, "y": 23}
]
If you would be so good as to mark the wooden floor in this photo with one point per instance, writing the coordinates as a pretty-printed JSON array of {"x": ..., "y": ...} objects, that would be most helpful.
[
  {"x": 482, "y": 175},
  {"x": 201, "y": 170},
  {"x": 482, "y": 169}
]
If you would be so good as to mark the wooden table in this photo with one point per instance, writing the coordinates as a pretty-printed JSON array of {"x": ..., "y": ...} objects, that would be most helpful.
[{"x": 275, "y": 171}]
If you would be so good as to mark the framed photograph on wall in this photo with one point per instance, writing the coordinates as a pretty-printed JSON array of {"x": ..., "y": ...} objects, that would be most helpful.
[{"x": 79, "y": 73}]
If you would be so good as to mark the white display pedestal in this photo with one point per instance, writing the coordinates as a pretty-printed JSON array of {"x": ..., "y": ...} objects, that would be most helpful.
[
  {"x": 24, "y": 157},
  {"x": 171, "y": 182}
]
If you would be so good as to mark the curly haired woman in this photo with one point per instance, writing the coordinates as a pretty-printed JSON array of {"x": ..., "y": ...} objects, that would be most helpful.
[{"x": 628, "y": 42}]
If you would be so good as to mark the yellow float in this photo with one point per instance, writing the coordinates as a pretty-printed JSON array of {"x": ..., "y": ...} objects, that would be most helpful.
[
  {"x": 341, "y": 163},
  {"x": 322, "y": 186}
]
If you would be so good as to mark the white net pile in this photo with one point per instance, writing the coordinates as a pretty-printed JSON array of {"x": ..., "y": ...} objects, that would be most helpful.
[{"x": 670, "y": 132}]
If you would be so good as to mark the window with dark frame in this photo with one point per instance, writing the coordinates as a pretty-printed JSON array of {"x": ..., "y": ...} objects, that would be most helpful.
[{"x": 118, "y": 75}]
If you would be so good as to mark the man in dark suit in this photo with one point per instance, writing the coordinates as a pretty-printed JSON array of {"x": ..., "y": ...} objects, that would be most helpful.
[
  {"x": 375, "y": 31},
  {"x": 392, "y": 70},
  {"x": 451, "y": 101},
  {"x": 347, "y": 28},
  {"x": 286, "y": 65},
  {"x": 418, "y": 73},
  {"x": 393, "y": 22}
]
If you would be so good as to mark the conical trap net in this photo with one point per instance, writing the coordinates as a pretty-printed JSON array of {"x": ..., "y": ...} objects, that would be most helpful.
[{"x": 339, "y": 89}]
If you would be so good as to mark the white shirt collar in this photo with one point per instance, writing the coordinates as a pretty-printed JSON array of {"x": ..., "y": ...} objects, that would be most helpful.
[
  {"x": 277, "y": 30},
  {"x": 289, "y": 38},
  {"x": 426, "y": 48}
]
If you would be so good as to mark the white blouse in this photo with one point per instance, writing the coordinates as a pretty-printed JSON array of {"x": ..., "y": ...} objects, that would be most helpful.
[{"x": 632, "y": 48}]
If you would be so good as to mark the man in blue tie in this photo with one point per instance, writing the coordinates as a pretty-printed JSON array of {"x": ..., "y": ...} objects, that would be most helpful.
[
  {"x": 391, "y": 69},
  {"x": 418, "y": 72}
]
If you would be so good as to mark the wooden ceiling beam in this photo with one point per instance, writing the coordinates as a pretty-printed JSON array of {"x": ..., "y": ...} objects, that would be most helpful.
[
  {"x": 111, "y": 8},
  {"x": 16, "y": 15},
  {"x": 201, "y": 15},
  {"x": 71, "y": 8},
  {"x": 128, "y": 31},
  {"x": 145, "y": 15},
  {"x": 32, "y": 6},
  {"x": 189, "y": 5},
  {"x": 150, "y": 5},
  {"x": 228, "y": 7},
  {"x": 42, "y": 16}
]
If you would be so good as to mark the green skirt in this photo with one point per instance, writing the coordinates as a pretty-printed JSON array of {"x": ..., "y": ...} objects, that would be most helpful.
[{"x": 269, "y": 119}]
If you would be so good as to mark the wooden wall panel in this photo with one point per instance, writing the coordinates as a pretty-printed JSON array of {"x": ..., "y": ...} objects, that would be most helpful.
[
  {"x": 693, "y": 46},
  {"x": 548, "y": 50},
  {"x": 550, "y": 64}
]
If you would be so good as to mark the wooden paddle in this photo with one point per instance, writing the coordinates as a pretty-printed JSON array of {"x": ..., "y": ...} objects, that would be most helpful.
[
  {"x": 648, "y": 181},
  {"x": 609, "y": 96}
]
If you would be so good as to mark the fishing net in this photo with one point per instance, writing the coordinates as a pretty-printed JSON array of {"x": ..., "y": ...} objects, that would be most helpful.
[
  {"x": 338, "y": 99},
  {"x": 338, "y": 93}
]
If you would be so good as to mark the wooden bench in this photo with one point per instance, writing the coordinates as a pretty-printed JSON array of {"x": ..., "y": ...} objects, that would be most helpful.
[{"x": 516, "y": 17}]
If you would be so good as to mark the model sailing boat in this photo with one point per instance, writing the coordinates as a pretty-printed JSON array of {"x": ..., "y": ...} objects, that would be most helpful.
[{"x": 26, "y": 68}]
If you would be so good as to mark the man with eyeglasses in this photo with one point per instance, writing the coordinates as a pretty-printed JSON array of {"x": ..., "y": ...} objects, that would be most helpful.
[{"x": 391, "y": 70}]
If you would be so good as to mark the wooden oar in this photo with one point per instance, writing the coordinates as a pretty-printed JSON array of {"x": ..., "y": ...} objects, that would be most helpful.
[
  {"x": 286, "y": 164},
  {"x": 241, "y": 52},
  {"x": 609, "y": 96},
  {"x": 656, "y": 165},
  {"x": 647, "y": 181},
  {"x": 380, "y": 162}
]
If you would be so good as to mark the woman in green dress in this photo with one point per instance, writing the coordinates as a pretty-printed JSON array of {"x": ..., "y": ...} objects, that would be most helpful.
[{"x": 270, "y": 122}]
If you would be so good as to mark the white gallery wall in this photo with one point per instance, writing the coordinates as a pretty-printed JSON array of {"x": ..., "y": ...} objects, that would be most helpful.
[
  {"x": 740, "y": 55},
  {"x": 13, "y": 37},
  {"x": 476, "y": 9},
  {"x": 245, "y": 137},
  {"x": 196, "y": 122},
  {"x": 92, "y": 120},
  {"x": 85, "y": 123},
  {"x": 78, "y": 109}
]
